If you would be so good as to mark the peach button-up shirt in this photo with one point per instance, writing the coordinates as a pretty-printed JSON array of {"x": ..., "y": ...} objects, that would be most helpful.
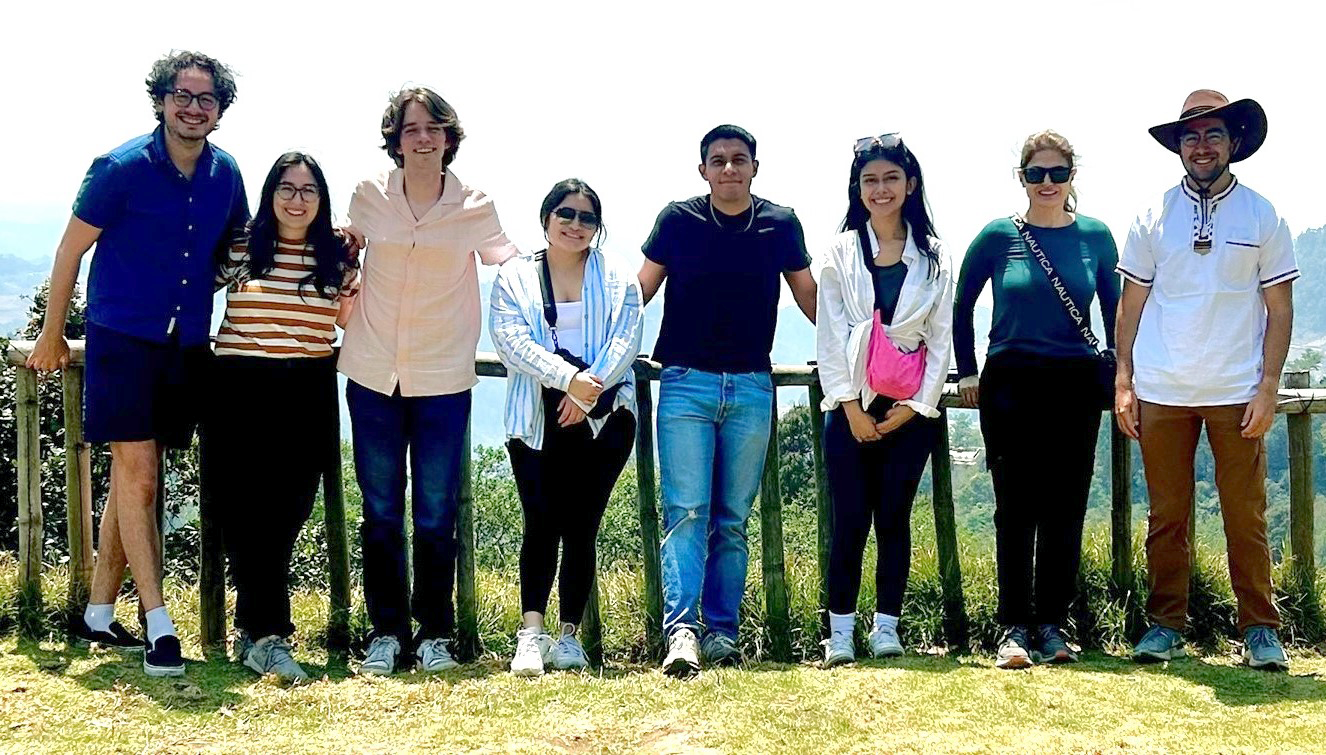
[{"x": 416, "y": 323}]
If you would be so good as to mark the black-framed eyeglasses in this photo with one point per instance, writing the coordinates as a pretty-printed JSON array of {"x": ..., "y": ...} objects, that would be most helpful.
[
  {"x": 288, "y": 192},
  {"x": 1058, "y": 174},
  {"x": 883, "y": 141},
  {"x": 567, "y": 214},
  {"x": 1213, "y": 137},
  {"x": 183, "y": 98}
]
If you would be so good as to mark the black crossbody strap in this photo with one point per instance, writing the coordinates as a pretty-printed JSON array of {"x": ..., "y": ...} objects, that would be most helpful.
[
  {"x": 549, "y": 303},
  {"x": 1075, "y": 313}
]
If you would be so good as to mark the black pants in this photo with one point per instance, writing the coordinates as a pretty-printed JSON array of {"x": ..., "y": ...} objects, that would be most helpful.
[
  {"x": 269, "y": 432},
  {"x": 564, "y": 489},
  {"x": 875, "y": 480},
  {"x": 1039, "y": 419}
]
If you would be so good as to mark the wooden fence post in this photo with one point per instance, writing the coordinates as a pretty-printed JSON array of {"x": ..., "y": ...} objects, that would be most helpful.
[
  {"x": 1301, "y": 494},
  {"x": 777, "y": 621},
  {"x": 591, "y": 626},
  {"x": 647, "y": 497},
  {"x": 823, "y": 509},
  {"x": 338, "y": 547},
  {"x": 29, "y": 504},
  {"x": 1121, "y": 507},
  {"x": 468, "y": 642},
  {"x": 946, "y": 539},
  {"x": 78, "y": 487},
  {"x": 212, "y": 559}
]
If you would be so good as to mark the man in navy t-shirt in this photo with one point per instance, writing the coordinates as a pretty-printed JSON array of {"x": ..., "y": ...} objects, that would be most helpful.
[
  {"x": 723, "y": 255},
  {"x": 157, "y": 208}
]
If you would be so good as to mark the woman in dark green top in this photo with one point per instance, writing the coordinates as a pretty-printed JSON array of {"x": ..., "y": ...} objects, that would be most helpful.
[{"x": 1038, "y": 412}]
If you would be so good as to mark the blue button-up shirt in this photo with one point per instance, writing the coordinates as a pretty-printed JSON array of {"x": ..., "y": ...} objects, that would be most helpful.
[{"x": 155, "y": 260}]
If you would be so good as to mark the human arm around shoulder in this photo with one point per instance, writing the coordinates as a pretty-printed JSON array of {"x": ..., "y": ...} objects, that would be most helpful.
[
  {"x": 493, "y": 246},
  {"x": 796, "y": 269},
  {"x": 975, "y": 273},
  {"x": 658, "y": 250},
  {"x": 351, "y": 280}
]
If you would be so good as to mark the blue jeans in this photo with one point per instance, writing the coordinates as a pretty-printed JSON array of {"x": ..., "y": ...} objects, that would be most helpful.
[
  {"x": 713, "y": 431},
  {"x": 432, "y": 430}
]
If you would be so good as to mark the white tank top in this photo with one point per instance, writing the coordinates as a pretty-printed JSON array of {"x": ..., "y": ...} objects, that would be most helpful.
[{"x": 570, "y": 331}]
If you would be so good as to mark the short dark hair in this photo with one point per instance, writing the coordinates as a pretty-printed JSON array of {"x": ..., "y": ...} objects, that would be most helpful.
[
  {"x": 393, "y": 120},
  {"x": 563, "y": 189},
  {"x": 726, "y": 131},
  {"x": 161, "y": 79}
]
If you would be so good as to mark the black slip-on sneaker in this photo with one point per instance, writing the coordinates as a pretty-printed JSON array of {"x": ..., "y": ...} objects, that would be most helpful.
[
  {"x": 163, "y": 657},
  {"x": 117, "y": 637}
]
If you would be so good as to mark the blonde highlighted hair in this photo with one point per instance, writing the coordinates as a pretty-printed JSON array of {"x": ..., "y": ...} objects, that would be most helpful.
[{"x": 1051, "y": 140}]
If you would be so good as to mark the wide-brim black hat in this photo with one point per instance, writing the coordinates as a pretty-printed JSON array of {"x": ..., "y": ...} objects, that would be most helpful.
[{"x": 1245, "y": 119}]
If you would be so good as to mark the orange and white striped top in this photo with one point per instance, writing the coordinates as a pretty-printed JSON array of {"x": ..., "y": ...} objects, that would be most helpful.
[{"x": 273, "y": 316}]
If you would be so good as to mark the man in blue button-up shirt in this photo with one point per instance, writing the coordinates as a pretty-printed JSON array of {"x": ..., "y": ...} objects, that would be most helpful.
[{"x": 158, "y": 209}]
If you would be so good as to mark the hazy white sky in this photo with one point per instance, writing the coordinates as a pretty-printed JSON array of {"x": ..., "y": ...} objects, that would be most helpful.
[{"x": 620, "y": 93}]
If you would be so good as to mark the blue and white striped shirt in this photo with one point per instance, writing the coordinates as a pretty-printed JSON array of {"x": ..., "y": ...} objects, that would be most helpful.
[{"x": 612, "y": 329}]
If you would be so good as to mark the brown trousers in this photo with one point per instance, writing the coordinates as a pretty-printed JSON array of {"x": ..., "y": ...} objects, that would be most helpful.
[{"x": 1169, "y": 443}]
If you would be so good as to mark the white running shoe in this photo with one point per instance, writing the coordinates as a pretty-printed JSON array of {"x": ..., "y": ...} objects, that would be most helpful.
[
  {"x": 683, "y": 654},
  {"x": 532, "y": 648},
  {"x": 271, "y": 655},
  {"x": 433, "y": 655},
  {"x": 381, "y": 657},
  {"x": 884, "y": 642}
]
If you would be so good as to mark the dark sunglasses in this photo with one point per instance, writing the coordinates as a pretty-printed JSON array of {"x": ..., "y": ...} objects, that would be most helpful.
[
  {"x": 883, "y": 141},
  {"x": 567, "y": 214},
  {"x": 1059, "y": 174}
]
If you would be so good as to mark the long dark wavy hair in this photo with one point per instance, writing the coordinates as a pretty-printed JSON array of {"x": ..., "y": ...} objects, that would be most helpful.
[
  {"x": 915, "y": 208},
  {"x": 327, "y": 248}
]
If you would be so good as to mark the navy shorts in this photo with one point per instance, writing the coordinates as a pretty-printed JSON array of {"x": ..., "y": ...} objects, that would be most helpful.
[{"x": 138, "y": 390}]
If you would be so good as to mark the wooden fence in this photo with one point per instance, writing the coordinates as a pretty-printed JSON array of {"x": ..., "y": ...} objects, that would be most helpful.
[{"x": 1296, "y": 401}]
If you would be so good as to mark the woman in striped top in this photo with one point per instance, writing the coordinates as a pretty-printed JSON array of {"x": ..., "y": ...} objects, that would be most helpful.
[
  {"x": 570, "y": 426},
  {"x": 289, "y": 279}
]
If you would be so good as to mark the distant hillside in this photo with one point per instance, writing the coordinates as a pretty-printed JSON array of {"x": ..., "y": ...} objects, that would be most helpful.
[{"x": 19, "y": 277}]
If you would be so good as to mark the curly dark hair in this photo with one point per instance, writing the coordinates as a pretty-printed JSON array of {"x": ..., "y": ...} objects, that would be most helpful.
[
  {"x": 393, "y": 121},
  {"x": 161, "y": 79}
]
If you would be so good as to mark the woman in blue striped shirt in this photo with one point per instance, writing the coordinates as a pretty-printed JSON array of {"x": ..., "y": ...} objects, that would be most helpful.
[{"x": 567, "y": 325}]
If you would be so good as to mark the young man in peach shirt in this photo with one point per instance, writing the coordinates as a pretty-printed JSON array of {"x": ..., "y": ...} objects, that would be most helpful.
[{"x": 409, "y": 356}]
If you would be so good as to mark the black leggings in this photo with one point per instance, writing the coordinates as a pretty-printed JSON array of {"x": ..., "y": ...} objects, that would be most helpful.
[
  {"x": 873, "y": 480},
  {"x": 564, "y": 490},
  {"x": 1039, "y": 419}
]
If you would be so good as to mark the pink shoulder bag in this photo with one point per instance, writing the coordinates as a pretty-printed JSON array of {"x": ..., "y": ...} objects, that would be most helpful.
[{"x": 890, "y": 371}]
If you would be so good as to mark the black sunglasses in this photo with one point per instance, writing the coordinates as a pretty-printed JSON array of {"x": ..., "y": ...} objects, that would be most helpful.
[
  {"x": 567, "y": 214},
  {"x": 883, "y": 141},
  {"x": 1059, "y": 174}
]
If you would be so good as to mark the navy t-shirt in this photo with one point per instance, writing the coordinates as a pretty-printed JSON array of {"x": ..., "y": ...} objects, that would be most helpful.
[{"x": 723, "y": 282}]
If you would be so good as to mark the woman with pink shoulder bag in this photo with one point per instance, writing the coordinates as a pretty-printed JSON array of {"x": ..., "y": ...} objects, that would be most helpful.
[{"x": 883, "y": 344}]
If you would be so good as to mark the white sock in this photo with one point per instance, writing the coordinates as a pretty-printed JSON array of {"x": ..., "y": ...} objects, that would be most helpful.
[
  {"x": 159, "y": 624},
  {"x": 98, "y": 616},
  {"x": 885, "y": 621},
  {"x": 842, "y": 623}
]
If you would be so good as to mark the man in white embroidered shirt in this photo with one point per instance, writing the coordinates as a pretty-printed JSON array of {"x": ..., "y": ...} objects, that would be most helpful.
[{"x": 1202, "y": 334}]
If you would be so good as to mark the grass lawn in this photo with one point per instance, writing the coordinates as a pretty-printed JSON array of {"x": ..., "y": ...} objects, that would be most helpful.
[{"x": 54, "y": 698}]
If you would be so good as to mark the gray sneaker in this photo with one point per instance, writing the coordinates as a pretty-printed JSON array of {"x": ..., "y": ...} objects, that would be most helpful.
[
  {"x": 1013, "y": 649},
  {"x": 1159, "y": 644},
  {"x": 569, "y": 654},
  {"x": 381, "y": 657},
  {"x": 720, "y": 650},
  {"x": 683, "y": 659},
  {"x": 434, "y": 655},
  {"x": 1049, "y": 646},
  {"x": 271, "y": 655},
  {"x": 839, "y": 649},
  {"x": 1262, "y": 649},
  {"x": 884, "y": 642},
  {"x": 240, "y": 643}
]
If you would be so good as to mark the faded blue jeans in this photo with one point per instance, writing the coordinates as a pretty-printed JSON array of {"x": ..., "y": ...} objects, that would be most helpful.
[{"x": 713, "y": 431}]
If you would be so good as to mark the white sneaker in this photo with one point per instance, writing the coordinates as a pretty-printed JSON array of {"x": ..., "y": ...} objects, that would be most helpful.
[
  {"x": 683, "y": 654},
  {"x": 568, "y": 654},
  {"x": 381, "y": 657},
  {"x": 884, "y": 642},
  {"x": 838, "y": 649},
  {"x": 433, "y": 655},
  {"x": 532, "y": 648}
]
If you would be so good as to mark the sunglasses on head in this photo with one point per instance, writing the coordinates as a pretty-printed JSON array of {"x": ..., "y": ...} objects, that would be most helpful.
[
  {"x": 567, "y": 214},
  {"x": 1058, "y": 174},
  {"x": 883, "y": 141}
]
